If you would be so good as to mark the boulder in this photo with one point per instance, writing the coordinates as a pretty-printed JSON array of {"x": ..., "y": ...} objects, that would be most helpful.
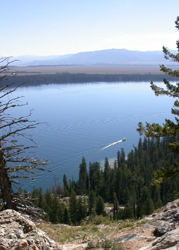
[
  {"x": 171, "y": 205},
  {"x": 17, "y": 232},
  {"x": 167, "y": 241},
  {"x": 161, "y": 227},
  {"x": 171, "y": 216}
]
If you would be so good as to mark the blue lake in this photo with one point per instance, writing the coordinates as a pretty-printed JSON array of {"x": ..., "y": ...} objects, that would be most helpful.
[{"x": 83, "y": 118}]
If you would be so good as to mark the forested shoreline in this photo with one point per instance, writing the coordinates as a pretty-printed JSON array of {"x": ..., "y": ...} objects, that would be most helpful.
[
  {"x": 62, "y": 78},
  {"x": 128, "y": 186}
]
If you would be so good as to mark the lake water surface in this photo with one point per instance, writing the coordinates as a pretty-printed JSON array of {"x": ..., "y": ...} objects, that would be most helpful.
[{"x": 83, "y": 118}]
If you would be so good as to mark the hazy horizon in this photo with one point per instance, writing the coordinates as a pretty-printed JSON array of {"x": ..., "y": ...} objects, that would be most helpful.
[
  {"x": 54, "y": 55},
  {"x": 62, "y": 27}
]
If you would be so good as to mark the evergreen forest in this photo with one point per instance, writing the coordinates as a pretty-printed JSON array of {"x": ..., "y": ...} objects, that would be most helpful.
[
  {"x": 127, "y": 188},
  {"x": 63, "y": 78}
]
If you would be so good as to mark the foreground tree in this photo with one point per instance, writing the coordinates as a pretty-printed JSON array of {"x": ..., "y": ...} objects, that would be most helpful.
[
  {"x": 14, "y": 160},
  {"x": 169, "y": 128}
]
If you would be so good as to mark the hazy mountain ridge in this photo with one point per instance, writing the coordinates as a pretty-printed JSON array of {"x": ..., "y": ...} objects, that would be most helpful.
[{"x": 101, "y": 57}]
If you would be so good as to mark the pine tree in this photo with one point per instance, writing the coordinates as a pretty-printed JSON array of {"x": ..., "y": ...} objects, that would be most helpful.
[
  {"x": 156, "y": 197},
  {"x": 41, "y": 199},
  {"x": 83, "y": 177},
  {"x": 173, "y": 191},
  {"x": 96, "y": 178},
  {"x": 115, "y": 205},
  {"x": 65, "y": 185},
  {"x": 128, "y": 212},
  {"x": 169, "y": 128},
  {"x": 61, "y": 209},
  {"x": 66, "y": 218},
  {"x": 34, "y": 195},
  {"x": 148, "y": 207},
  {"x": 55, "y": 209},
  {"x": 106, "y": 179},
  {"x": 91, "y": 201},
  {"x": 72, "y": 207},
  {"x": 81, "y": 210},
  {"x": 99, "y": 205},
  {"x": 48, "y": 203}
]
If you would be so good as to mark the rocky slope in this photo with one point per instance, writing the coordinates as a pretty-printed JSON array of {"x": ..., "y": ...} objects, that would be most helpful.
[
  {"x": 165, "y": 228},
  {"x": 18, "y": 232},
  {"x": 160, "y": 232}
]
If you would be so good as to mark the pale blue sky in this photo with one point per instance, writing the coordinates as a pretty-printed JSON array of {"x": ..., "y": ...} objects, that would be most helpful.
[{"x": 59, "y": 27}]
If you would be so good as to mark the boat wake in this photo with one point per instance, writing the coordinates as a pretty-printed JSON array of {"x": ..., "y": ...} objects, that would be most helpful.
[{"x": 112, "y": 144}]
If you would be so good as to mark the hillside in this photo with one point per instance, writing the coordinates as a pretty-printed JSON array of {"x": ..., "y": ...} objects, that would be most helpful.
[
  {"x": 102, "y": 57},
  {"x": 157, "y": 231}
]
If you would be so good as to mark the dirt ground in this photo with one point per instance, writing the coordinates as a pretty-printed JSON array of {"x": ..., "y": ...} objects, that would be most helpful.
[{"x": 143, "y": 235}]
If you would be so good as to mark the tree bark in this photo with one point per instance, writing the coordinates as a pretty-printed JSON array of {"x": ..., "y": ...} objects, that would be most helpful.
[{"x": 5, "y": 183}]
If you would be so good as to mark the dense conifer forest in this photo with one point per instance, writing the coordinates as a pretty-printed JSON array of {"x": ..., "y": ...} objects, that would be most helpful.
[
  {"x": 127, "y": 187},
  {"x": 61, "y": 78}
]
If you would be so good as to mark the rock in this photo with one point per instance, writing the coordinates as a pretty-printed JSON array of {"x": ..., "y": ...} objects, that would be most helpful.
[
  {"x": 164, "y": 225},
  {"x": 22, "y": 244},
  {"x": 17, "y": 232},
  {"x": 167, "y": 241},
  {"x": 171, "y": 205},
  {"x": 161, "y": 227},
  {"x": 127, "y": 237},
  {"x": 171, "y": 216}
]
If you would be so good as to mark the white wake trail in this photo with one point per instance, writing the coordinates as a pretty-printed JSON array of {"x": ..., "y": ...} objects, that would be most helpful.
[{"x": 111, "y": 144}]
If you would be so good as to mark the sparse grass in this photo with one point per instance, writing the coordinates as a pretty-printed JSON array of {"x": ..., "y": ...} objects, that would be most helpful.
[
  {"x": 97, "y": 232},
  {"x": 61, "y": 233},
  {"x": 90, "y": 228},
  {"x": 58, "y": 233},
  {"x": 126, "y": 223},
  {"x": 141, "y": 222},
  {"x": 91, "y": 245},
  {"x": 105, "y": 244},
  {"x": 131, "y": 223},
  {"x": 65, "y": 233},
  {"x": 101, "y": 220}
]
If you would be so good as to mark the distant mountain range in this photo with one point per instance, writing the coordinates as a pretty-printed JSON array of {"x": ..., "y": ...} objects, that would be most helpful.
[{"x": 102, "y": 57}]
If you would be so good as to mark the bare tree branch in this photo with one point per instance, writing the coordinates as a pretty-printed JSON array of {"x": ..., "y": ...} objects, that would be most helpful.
[{"x": 15, "y": 161}]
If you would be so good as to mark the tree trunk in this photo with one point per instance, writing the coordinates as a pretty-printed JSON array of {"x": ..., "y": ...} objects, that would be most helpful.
[{"x": 5, "y": 183}]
